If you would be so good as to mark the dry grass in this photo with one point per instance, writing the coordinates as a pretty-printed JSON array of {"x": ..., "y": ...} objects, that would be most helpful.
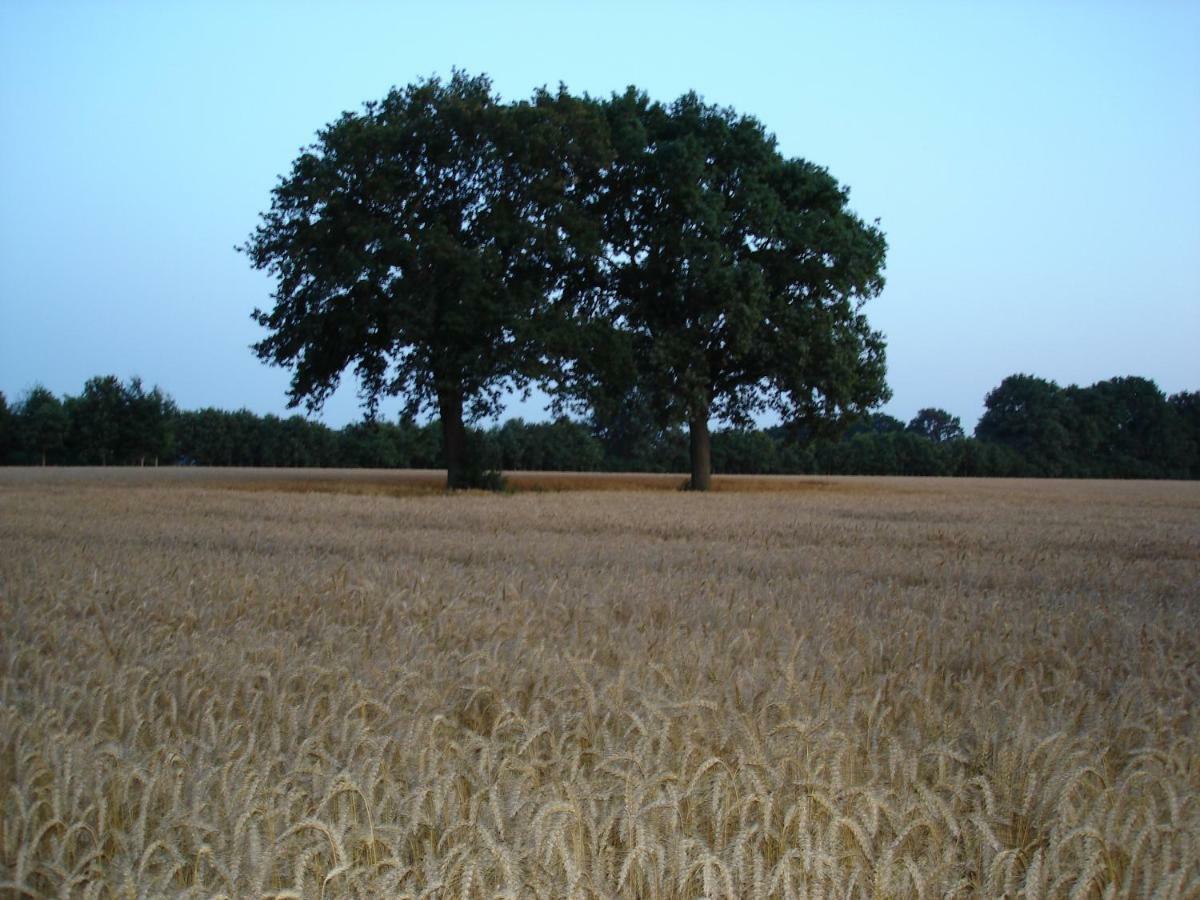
[
  {"x": 408, "y": 482},
  {"x": 860, "y": 688}
]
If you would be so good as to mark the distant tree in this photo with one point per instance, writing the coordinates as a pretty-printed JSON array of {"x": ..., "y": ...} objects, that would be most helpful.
[
  {"x": 197, "y": 435},
  {"x": 111, "y": 422},
  {"x": 421, "y": 444},
  {"x": 973, "y": 458},
  {"x": 148, "y": 423},
  {"x": 306, "y": 443},
  {"x": 630, "y": 429},
  {"x": 41, "y": 423},
  {"x": 369, "y": 445},
  {"x": 7, "y": 430},
  {"x": 568, "y": 446},
  {"x": 216, "y": 437},
  {"x": 795, "y": 450},
  {"x": 269, "y": 441},
  {"x": 247, "y": 430},
  {"x": 561, "y": 445},
  {"x": 885, "y": 453},
  {"x": 734, "y": 276},
  {"x": 1033, "y": 417},
  {"x": 1126, "y": 428},
  {"x": 874, "y": 423},
  {"x": 937, "y": 425},
  {"x": 418, "y": 241},
  {"x": 98, "y": 420},
  {"x": 918, "y": 455},
  {"x": 512, "y": 441},
  {"x": 1186, "y": 405},
  {"x": 745, "y": 451},
  {"x": 296, "y": 446}
]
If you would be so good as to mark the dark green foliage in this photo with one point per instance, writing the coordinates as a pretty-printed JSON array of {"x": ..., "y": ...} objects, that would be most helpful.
[
  {"x": 734, "y": 278},
  {"x": 972, "y": 458},
  {"x": 149, "y": 419},
  {"x": 795, "y": 458},
  {"x": 937, "y": 425},
  {"x": 97, "y": 417},
  {"x": 1186, "y": 405},
  {"x": 1123, "y": 427},
  {"x": 1120, "y": 428},
  {"x": 1033, "y": 417},
  {"x": 445, "y": 247},
  {"x": 115, "y": 423},
  {"x": 558, "y": 446},
  {"x": 417, "y": 241},
  {"x": 302, "y": 443},
  {"x": 633, "y": 437},
  {"x": 214, "y": 437},
  {"x": 8, "y": 437},
  {"x": 382, "y": 445},
  {"x": 874, "y": 423},
  {"x": 745, "y": 452},
  {"x": 42, "y": 425},
  {"x": 369, "y": 445},
  {"x": 888, "y": 453}
]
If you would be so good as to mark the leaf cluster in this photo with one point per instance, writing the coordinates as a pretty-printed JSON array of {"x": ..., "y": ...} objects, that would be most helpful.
[
  {"x": 415, "y": 241},
  {"x": 735, "y": 276},
  {"x": 447, "y": 246}
]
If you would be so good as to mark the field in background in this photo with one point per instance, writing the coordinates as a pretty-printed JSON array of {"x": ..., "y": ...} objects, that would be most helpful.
[
  {"x": 337, "y": 684},
  {"x": 406, "y": 482}
]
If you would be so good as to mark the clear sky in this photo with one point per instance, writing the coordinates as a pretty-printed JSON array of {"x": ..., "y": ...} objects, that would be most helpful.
[{"x": 1036, "y": 167}]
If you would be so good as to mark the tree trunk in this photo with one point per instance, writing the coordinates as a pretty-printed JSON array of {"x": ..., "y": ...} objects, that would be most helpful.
[
  {"x": 701, "y": 453},
  {"x": 454, "y": 438}
]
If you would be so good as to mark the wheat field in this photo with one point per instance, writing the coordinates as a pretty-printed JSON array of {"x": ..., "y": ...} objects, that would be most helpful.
[{"x": 255, "y": 685}]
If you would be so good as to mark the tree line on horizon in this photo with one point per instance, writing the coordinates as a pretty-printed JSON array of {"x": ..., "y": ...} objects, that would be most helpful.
[
  {"x": 1032, "y": 427},
  {"x": 653, "y": 267}
]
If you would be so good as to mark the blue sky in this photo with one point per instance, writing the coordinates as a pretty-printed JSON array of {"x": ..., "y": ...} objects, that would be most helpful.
[{"x": 1035, "y": 167}]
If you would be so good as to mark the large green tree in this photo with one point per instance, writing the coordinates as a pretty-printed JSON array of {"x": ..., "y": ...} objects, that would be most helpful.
[
  {"x": 113, "y": 422},
  {"x": 1126, "y": 428},
  {"x": 97, "y": 420},
  {"x": 1035, "y": 418},
  {"x": 149, "y": 432},
  {"x": 41, "y": 424},
  {"x": 417, "y": 241},
  {"x": 734, "y": 277}
]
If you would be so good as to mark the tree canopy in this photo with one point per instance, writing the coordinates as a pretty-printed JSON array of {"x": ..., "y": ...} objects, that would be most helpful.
[
  {"x": 111, "y": 422},
  {"x": 42, "y": 423},
  {"x": 1119, "y": 428},
  {"x": 1033, "y": 417},
  {"x": 447, "y": 246},
  {"x": 936, "y": 424},
  {"x": 733, "y": 277},
  {"x": 417, "y": 241}
]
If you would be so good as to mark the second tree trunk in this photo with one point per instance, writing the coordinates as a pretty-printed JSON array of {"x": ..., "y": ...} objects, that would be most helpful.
[{"x": 701, "y": 453}]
